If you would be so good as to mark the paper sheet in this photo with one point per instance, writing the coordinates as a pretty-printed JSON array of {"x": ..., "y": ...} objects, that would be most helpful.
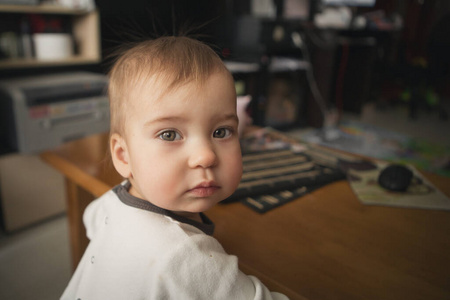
[{"x": 420, "y": 194}]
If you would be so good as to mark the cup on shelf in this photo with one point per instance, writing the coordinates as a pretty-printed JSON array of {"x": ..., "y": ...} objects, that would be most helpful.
[{"x": 53, "y": 46}]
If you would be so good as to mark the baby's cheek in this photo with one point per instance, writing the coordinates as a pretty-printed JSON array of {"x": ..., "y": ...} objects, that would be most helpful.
[
  {"x": 162, "y": 180},
  {"x": 154, "y": 178},
  {"x": 234, "y": 172},
  {"x": 160, "y": 190}
]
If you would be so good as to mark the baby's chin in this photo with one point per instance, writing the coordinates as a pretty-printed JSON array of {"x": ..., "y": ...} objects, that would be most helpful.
[{"x": 202, "y": 206}]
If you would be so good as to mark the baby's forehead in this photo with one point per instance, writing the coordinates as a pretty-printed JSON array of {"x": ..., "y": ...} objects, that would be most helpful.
[{"x": 157, "y": 86}]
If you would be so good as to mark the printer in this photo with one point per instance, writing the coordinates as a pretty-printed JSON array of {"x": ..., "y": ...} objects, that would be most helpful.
[{"x": 42, "y": 112}]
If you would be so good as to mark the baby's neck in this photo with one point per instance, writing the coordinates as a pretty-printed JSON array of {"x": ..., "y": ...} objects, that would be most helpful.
[{"x": 189, "y": 215}]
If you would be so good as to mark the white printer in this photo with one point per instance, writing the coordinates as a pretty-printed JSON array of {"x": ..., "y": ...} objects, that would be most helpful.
[{"x": 41, "y": 112}]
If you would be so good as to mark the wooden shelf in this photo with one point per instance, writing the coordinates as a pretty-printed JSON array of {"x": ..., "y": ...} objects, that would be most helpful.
[
  {"x": 85, "y": 30},
  {"x": 40, "y": 9},
  {"x": 25, "y": 63}
]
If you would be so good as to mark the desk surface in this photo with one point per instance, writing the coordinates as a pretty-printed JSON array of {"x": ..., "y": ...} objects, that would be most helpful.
[{"x": 325, "y": 245}]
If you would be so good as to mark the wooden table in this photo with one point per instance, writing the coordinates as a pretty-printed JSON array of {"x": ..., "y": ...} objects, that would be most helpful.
[{"x": 325, "y": 245}]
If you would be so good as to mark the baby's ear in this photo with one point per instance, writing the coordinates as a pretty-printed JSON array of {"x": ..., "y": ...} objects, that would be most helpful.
[{"x": 119, "y": 155}]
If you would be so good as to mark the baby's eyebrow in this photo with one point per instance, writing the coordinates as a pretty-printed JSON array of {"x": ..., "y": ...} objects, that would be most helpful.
[
  {"x": 179, "y": 119},
  {"x": 171, "y": 119},
  {"x": 227, "y": 117}
]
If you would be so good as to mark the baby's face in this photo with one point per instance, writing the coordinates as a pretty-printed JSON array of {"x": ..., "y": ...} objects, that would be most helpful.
[{"x": 184, "y": 148}]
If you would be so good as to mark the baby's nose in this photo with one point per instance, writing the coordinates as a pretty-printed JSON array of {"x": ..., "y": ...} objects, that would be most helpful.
[{"x": 203, "y": 155}]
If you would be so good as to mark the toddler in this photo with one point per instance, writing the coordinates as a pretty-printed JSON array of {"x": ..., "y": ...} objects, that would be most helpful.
[{"x": 174, "y": 138}]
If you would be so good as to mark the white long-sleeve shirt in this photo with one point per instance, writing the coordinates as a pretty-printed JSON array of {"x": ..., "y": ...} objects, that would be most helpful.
[{"x": 140, "y": 251}]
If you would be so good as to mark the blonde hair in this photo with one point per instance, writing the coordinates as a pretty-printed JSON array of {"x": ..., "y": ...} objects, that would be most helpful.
[{"x": 172, "y": 61}]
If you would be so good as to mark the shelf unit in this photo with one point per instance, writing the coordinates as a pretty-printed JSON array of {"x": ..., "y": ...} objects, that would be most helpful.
[{"x": 85, "y": 29}]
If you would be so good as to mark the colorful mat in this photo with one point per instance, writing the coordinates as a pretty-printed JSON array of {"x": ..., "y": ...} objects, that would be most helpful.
[{"x": 372, "y": 141}]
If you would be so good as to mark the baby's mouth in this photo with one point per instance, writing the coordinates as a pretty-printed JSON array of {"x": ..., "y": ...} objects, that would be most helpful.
[{"x": 204, "y": 189}]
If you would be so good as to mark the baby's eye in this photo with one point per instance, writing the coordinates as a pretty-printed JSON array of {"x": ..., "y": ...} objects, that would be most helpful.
[
  {"x": 169, "y": 135},
  {"x": 222, "y": 133}
]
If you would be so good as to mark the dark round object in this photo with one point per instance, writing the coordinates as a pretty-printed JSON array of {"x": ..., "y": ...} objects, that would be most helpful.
[{"x": 395, "y": 178}]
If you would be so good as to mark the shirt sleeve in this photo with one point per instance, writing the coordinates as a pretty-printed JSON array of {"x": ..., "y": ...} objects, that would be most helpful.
[{"x": 199, "y": 268}]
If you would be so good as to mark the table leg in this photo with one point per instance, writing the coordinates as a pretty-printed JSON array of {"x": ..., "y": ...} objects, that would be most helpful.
[{"x": 77, "y": 200}]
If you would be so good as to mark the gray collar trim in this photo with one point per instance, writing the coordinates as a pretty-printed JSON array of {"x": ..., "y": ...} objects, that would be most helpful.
[{"x": 121, "y": 190}]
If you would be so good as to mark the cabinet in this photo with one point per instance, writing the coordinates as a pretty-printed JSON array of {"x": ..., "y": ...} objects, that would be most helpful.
[{"x": 85, "y": 30}]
